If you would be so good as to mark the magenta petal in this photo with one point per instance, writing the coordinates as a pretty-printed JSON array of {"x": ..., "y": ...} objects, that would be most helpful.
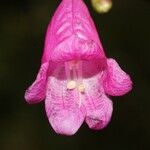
[
  {"x": 72, "y": 34},
  {"x": 116, "y": 82},
  {"x": 61, "y": 105},
  {"x": 36, "y": 92},
  {"x": 99, "y": 112}
]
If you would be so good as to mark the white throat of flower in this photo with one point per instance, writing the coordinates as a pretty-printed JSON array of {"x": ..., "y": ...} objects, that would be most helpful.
[{"x": 74, "y": 77}]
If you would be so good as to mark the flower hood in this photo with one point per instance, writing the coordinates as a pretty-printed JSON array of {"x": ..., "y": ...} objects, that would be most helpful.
[{"x": 72, "y": 34}]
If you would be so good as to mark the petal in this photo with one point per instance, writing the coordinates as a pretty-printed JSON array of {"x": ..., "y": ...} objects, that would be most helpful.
[
  {"x": 98, "y": 106},
  {"x": 61, "y": 105},
  {"x": 116, "y": 81},
  {"x": 82, "y": 49},
  {"x": 72, "y": 34},
  {"x": 99, "y": 115},
  {"x": 36, "y": 92}
]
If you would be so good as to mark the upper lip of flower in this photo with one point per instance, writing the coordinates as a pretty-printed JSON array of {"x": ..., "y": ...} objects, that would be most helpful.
[{"x": 72, "y": 35}]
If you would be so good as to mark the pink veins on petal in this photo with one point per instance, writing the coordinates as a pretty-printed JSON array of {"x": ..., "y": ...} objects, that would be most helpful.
[{"x": 75, "y": 77}]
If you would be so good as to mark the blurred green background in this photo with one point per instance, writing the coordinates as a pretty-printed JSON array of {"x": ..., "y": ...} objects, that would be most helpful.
[{"x": 125, "y": 33}]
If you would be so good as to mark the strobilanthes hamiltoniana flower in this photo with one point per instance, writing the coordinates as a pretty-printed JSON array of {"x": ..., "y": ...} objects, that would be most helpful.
[{"x": 75, "y": 76}]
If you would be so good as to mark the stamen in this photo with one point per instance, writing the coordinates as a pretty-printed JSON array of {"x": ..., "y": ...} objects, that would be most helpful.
[
  {"x": 71, "y": 85},
  {"x": 67, "y": 69},
  {"x": 79, "y": 68},
  {"x": 75, "y": 78},
  {"x": 70, "y": 75},
  {"x": 81, "y": 88},
  {"x": 80, "y": 100}
]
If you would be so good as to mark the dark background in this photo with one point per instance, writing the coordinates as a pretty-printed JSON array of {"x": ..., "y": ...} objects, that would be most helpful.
[{"x": 125, "y": 33}]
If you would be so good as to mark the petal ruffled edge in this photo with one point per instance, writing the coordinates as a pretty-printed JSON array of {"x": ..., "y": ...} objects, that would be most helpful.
[
  {"x": 36, "y": 92},
  {"x": 116, "y": 82}
]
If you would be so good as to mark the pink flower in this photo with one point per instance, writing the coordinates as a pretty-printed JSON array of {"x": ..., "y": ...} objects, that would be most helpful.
[{"x": 75, "y": 76}]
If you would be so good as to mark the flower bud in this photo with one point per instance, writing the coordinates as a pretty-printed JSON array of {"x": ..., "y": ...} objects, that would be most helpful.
[{"x": 102, "y": 6}]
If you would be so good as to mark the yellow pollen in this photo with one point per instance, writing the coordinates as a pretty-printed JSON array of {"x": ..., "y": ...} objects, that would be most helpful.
[
  {"x": 81, "y": 88},
  {"x": 71, "y": 85}
]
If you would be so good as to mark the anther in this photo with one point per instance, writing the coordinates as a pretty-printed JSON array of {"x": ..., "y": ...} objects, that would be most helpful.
[
  {"x": 71, "y": 85},
  {"x": 81, "y": 88}
]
